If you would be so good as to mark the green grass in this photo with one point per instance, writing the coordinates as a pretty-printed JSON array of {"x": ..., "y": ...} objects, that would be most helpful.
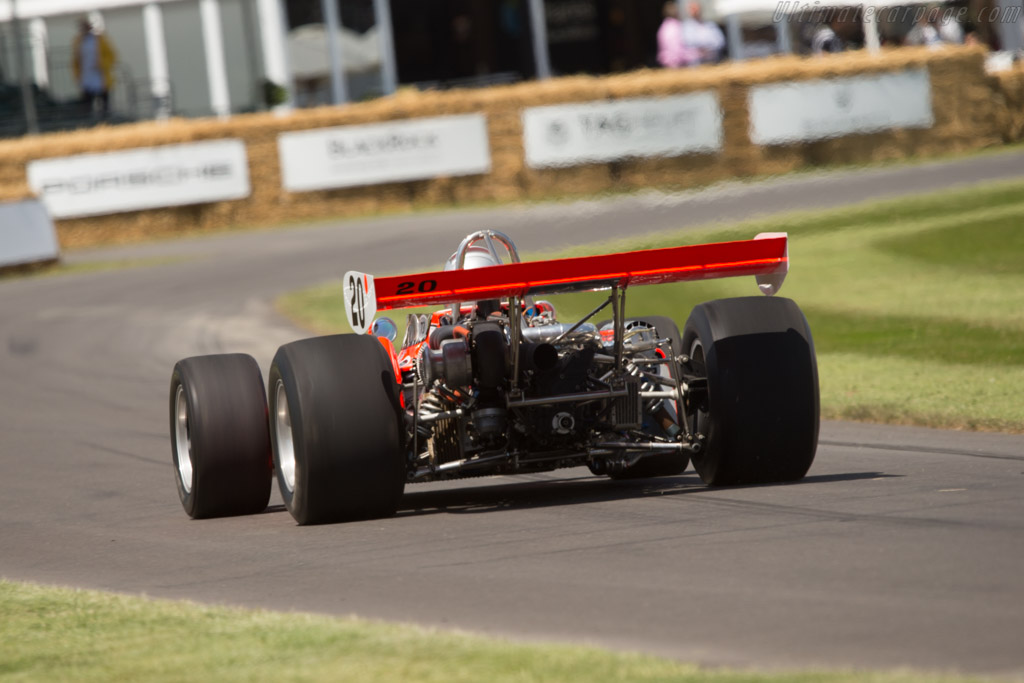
[
  {"x": 50, "y": 634},
  {"x": 916, "y": 304},
  {"x": 988, "y": 246},
  {"x": 58, "y": 268}
]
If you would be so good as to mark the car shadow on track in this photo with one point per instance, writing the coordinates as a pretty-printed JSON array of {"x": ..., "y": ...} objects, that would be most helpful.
[{"x": 574, "y": 491}]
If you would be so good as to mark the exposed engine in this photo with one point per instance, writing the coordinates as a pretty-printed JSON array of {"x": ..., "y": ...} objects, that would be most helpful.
[{"x": 493, "y": 393}]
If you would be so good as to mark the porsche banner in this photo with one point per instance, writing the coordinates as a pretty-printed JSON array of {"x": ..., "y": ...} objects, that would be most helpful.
[{"x": 144, "y": 178}]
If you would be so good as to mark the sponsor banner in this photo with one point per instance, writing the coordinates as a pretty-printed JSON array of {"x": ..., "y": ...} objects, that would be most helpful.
[
  {"x": 594, "y": 132},
  {"x": 414, "y": 149},
  {"x": 145, "y": 178},
  {"x": 26, "y": 234},
  {"x": 781, "y": 113}
]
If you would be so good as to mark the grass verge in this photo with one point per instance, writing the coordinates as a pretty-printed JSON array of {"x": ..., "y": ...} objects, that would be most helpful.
[
  {"x": 51, "y": 634},
  {"x": 916, "y": 304},
  {"x": 59, "y": 268}
]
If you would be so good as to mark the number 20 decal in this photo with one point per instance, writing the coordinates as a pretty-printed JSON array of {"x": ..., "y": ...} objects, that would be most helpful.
[
  {"x": 357, "y": 303},
  {"x": 408, "y": 287},
  {"x": 360, "y": 300}
]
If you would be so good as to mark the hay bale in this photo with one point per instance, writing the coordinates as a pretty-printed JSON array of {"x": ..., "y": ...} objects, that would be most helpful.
[{"x": 971, "y": 111}]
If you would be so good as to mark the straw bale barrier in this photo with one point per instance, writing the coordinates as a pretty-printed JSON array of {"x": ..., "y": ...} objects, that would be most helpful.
[
  {"x": 971, "y": 110},
  {"x": 1010, "y": 85}
]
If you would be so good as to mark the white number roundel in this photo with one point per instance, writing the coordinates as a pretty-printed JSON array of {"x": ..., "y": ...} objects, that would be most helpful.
[{"x": 360, "y": 301}]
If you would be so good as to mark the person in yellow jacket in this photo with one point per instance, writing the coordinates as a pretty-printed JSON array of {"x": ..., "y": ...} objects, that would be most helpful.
[{"x": 93, "y": 60}]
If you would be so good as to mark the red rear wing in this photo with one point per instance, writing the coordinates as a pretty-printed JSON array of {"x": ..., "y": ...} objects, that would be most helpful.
[{"x": 764, "y": 256}]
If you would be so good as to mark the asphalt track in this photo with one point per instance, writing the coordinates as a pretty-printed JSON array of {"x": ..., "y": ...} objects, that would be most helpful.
[{"x": 903, "y": 547}]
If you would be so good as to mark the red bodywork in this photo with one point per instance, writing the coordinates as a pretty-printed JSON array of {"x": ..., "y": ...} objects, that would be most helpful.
[
  {"x": 406, "y": 358},
  {"x": 653, "y": 266},
  {"x": 763, "y": 256}
]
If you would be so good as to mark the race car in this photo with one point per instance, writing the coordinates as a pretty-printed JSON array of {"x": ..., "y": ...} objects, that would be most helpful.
[{"x": 494, "y": 383}]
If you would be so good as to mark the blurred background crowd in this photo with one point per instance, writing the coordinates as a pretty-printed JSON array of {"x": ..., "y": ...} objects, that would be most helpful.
[{"x": 73, "y": 63}]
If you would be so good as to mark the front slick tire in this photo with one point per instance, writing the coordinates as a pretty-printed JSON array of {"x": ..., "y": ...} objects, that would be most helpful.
[
  {"x": 761, "y": 415},
  {"x": 219, "y": 438},
  {"x": 336, "y": 429}
]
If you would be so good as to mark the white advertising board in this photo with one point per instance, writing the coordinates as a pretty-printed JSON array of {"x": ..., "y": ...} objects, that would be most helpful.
[
  {"x": 398, "y": 151},
  {"x": 594, "y": 132},
  {"x": 27, "y": 234},
  {"x": 143, "y": 178},
  {"x": 801, "y": 111}
]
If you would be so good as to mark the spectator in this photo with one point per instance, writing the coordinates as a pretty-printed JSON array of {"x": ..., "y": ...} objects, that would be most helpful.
[
  {"x": 950, "y": 30},
  {"x": 923, "y": 33},
  {"x": 672, "y": 51},
  {"x": 705, "y": 36},
  {"x": 93, "y": 59},
  {"x": 825, "y": 40}
]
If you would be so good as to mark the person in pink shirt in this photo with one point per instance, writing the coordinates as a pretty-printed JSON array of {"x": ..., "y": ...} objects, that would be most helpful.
[
  {"x": 672, "y": 51},
  {"x": 703, "y": 37}
]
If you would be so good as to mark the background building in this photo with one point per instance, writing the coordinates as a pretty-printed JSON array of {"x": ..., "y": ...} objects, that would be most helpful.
[{"x": 217, "y": 57}]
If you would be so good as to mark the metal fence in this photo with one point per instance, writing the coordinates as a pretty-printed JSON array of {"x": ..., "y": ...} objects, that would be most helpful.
[
  {"x": 484, "y": 81},
  {"x": 59, "y": 105}
]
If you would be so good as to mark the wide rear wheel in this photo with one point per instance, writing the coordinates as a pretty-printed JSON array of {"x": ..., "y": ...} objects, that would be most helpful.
[
  {"x": 219, "y": 438},
  {"x": 760, "y": 412},
  {"x": 336, "y": 428}
]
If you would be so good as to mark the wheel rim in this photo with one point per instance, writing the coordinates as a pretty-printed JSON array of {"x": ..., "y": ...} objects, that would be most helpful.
[
  {"x": 284, "y": 445},
  {"x": 698, "y": 363},
  {"x": 182, "y": 440}
]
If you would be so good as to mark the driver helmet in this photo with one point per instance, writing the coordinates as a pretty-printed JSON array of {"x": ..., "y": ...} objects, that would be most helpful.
[{"x": 476, "y": 257}]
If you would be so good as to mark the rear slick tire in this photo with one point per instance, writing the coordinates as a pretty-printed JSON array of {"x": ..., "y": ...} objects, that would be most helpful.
[
  {"x": 336, "y": 429},
  {"x": 220, "y": 443},
  {"x": 760, "y": 419}
]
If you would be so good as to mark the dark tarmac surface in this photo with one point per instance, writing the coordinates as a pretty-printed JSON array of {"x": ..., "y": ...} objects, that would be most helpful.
[{"x": 903, "y": 547}]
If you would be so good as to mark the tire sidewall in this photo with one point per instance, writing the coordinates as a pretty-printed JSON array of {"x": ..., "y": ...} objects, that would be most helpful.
[
  {"x": 282, "y": 372},
  {"x": 229, "y": 438},
  {"x": 733, "y": 448},
  {"x": 180, "y": 378},
  {"x": 319, "y": 496},
  {"x": 697, "y": 329}
]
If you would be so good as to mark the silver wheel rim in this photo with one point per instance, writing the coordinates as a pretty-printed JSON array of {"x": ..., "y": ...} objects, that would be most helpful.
[
  {"x": 182, "y": 440},
  {"x": 697, "y": 359},
  {"x": 284, "y": 445}
]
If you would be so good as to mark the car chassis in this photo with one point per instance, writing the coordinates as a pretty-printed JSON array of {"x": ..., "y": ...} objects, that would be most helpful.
[{"x": 495, "y": 384}]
